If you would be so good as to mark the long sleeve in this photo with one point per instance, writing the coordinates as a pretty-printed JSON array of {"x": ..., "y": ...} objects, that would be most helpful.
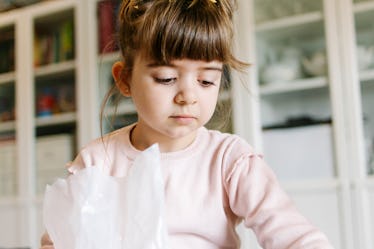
[{"x": 256, "y": 196}]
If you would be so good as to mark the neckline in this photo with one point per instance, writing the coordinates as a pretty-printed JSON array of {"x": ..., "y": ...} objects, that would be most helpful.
[{"x": 131, "y": 152}]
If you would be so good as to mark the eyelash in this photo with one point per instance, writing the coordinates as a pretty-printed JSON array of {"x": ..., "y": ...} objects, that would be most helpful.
[
  {"x": 169, "y": 81},
  {"x": 205, "y": 83},
  {"x": 165, "y": 81}
]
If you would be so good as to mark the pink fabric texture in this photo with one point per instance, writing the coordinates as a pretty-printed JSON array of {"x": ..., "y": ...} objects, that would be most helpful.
[{"x": 211, "y": 186}]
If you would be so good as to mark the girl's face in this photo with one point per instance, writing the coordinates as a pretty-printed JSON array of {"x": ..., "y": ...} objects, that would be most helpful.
[{"x": 172, "y": 100}]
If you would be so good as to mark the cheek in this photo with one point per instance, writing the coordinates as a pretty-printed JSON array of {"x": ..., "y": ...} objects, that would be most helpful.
[
  {"x": 208, "y": 104},
  {"x": 150, "y": 103}
]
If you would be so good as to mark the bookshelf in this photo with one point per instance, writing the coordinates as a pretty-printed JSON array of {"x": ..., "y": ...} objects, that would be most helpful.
[
  {"x": 39, "y": 127},
  {"x": 39, "y": 111}
]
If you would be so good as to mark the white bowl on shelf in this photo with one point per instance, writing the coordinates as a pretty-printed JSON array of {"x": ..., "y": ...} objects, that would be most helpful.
[
  {"x": 365, "y": 57},
  {"x": 316, "y": 65},
  {"x": 279, "y": 73}
]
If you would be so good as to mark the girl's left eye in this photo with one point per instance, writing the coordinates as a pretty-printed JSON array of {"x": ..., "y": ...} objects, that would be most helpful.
[
  {"x": 206, "y": 83},
  {"x": 165, "y": 81}
]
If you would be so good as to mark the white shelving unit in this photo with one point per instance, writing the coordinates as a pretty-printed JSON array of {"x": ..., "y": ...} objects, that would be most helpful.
[
  {"x": 63, "y": 132},
  {"x": 340, "y": 205}
]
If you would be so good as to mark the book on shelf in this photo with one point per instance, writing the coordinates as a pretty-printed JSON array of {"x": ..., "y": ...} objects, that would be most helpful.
[
  {"x": 7, "y": 53},
  {"x": 7, "y": 103},
  {"x": 66, "y": 41},
  {"x": 6, "y": 138},
  {"x": 54, "y": 46},
  {"x": 107, "y": 12}
]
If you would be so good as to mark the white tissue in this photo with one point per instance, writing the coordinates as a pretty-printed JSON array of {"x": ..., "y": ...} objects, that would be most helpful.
[{"x": 91, "y": 210}]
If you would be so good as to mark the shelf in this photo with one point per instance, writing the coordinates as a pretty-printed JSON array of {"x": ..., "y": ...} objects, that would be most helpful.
[
  {"x": 56, "y": 119},
  {"x": 306, "y": 25},
  {"x": 292, "y": 86},
  {"x": 109, "y": 57},
  {"x": 311, "y": 185},
  {"x": 9, "y": 201},
  {"x": 364, "y": 17},
  {"x": 367, "y": 75},
  {"x": 55, "y": 69},
  {"x": 7, "y": 126},
  {"x": 363, "y": 7},
  {"x": 287, "y": 22},
  {"x": 7, "y": 77},
  {"x": 370, "y": 181}
]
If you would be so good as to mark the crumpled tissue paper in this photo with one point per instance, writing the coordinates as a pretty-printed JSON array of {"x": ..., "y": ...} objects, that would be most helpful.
[{"x": 91, "y": 210}]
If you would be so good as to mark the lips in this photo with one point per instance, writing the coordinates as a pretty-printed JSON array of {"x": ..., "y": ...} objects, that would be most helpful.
[
  {"x": 183, "y": 119},
  {"x": 182, "y": 116}
]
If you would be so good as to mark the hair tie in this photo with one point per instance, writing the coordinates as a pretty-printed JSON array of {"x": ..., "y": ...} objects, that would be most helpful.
[{"x": 193, "y": 2}]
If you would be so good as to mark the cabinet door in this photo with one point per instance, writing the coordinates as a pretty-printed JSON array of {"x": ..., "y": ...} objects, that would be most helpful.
[
  {"x": 363, "y": 173},
  {"x": 296, "y": 109},
  {"x": 55, "y": 83},
  {"x": 13, "y": 214},
  {"x": 299, "y": 105},
  {"x": 8, "y": 166},
  {"x": 53, "y": 99},
  {"x": 363, "y": 14}
]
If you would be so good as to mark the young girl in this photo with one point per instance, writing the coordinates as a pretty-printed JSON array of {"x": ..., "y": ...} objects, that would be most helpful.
[{"x": 173, "y": 53}]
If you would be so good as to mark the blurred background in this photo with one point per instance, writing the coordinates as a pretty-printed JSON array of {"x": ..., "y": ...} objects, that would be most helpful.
[{"x": 306, "y": 103}]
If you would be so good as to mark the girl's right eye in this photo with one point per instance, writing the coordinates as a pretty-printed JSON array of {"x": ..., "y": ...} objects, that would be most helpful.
[{"x": 165, "y": 81}]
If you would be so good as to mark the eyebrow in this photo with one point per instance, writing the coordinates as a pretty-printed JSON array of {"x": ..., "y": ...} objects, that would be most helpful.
[{"x": 155, "y": 64}]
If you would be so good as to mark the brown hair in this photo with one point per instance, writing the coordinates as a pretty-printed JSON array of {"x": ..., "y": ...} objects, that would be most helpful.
[
  {"x": 175, "y": 29},
  {"x": 164, "y": 30}
]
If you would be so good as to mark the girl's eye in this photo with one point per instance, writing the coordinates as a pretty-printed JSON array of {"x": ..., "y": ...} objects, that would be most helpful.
[
  {"x": 206, "y": 83},
  {"x": 165, "y": 81}
]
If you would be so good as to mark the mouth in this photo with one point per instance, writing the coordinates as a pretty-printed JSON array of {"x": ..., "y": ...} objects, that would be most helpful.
[
  {"x": 182, "y": 116},
  {"x": 183, "y": 119}
]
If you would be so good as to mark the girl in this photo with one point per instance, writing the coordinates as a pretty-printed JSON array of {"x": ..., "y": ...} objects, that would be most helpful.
[{"x": 173, "y": 53}]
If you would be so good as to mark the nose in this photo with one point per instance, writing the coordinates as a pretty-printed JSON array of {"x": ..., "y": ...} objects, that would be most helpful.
[{"x": 186, "y": 94}]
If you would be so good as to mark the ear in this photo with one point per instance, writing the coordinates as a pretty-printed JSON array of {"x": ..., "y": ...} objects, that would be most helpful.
[{"x": 121, "y": 79}]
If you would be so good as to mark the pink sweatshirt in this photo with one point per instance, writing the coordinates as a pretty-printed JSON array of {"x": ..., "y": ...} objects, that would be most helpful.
[{"x": 211, "y": 186}]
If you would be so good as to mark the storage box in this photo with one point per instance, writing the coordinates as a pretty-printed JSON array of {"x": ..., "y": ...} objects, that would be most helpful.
[
  {"x": 8, "y": 169},
  {"x": 52, "y": 154},
  {"x": 301, "y": 152}
]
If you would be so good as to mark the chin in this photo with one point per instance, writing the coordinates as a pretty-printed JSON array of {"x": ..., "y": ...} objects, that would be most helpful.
[{"x": 183, "y": 132}]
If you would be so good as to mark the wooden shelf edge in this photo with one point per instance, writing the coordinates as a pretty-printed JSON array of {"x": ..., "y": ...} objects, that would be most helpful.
[
  {"x": 315, "y": 185},
  {"x": 7, "y": 126},
  {"x": 61, "y": 118},
  {"x": 363, "y": 7},
  {"x": 54, "y": 68},
  {"x": 109, "y": 57},
  {"x": 7, "y": 77},
  {"x": 295, "y": 85},
  {"x": 367, "y": 75},
  {"x": 290, "y": 21}
]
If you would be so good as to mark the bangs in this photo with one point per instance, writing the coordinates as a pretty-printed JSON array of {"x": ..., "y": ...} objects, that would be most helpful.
[{"x": 185, "y": 32}]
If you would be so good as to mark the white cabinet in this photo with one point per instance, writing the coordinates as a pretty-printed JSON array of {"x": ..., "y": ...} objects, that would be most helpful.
[
  {"x": 311, "y": 64},
  {"x": 42, "y": 119},
  {"x": 308, "y": 59}
]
